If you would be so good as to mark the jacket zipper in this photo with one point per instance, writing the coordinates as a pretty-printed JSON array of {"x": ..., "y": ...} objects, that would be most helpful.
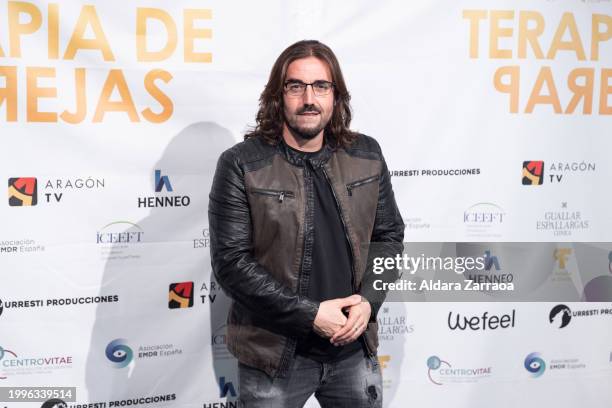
[
  {"x": 281, "y": 194},
  {"x": 349, "y": 240},
  {"x": 359, "y": 183}
]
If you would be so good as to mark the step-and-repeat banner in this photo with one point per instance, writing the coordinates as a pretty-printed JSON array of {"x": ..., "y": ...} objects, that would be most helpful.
[{"x": 494, "y": 117}]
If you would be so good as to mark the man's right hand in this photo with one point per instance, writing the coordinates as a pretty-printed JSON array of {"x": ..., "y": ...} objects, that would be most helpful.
[{"x": 330, "y": 318}]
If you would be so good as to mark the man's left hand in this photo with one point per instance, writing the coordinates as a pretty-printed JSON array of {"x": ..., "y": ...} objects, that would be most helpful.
[{"x": 358, "y": 317}]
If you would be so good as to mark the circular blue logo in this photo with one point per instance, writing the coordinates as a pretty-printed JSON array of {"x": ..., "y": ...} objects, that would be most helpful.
[
  {"x": 535, "y": 364},
  {"x": 119, "y": 353}
]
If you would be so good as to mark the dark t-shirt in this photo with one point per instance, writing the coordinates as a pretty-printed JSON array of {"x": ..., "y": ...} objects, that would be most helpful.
[{"x": 331, "y": 275}]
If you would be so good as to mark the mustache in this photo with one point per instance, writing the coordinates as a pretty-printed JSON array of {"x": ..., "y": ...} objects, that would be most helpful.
[{"x": 308, "y": 109}]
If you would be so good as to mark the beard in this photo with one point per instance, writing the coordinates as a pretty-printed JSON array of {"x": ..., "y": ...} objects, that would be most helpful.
[{"x": 309, "y": 131}]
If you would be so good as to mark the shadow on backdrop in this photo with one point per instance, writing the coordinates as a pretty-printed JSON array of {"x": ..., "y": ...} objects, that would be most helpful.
[{"x": 147, "y": 345}]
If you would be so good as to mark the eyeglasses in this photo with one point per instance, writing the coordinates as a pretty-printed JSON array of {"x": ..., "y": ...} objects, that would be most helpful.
[{"x": 297, "y": 88}]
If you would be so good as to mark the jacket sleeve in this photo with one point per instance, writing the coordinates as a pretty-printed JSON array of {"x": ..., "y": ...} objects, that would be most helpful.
[
  {"x": 236, "y": 270},
  {"x": 387, "y": 241}
]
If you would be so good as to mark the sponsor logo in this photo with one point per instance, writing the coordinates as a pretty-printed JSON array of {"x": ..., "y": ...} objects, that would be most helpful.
[
  {"x": 22, "y": 191},
  {"x": 4, "y": 352},
  {"x": 203, "y": 241},
  {"x": 481, "y": 322},
  {"x": 561, "y": 315},
  {"x": 180, "y": 295},
  {"x": 440, "y": 372},
  {"x": 219, "y": 344},
  {"x": 484, "y": 220},
  {"x": 108, "y": 235},
  {"x": 134, "y": 401},
  {"x": 119, "y": 353},
  {"x": 561, "y": 255},
  {"x": 20, "y": 246},
  {"x": 226, "y": 388},
  {"x": 558, "y": 171},
  {"x": 415, "y": 223},
  {"x": 533, "y": 173},
  {"x": 391, "y": 325},
  {"x": 491, "y": 261},
  {"x": 13, "y": 363},
  {"x": 119, "y": 241},
  {"x": 563, "y": 222},
  {"x": 384, "y": 360},
  {"x": 11, "y": 304},
  {"x": 535, "y": 364},
  {"x": 54, "y": 403},
  {"x": 208, "y": 293},
  {"x": 492, "y": 271},
  {"x": 436, "y": 172},
  {"x": 163, "y": 183}
]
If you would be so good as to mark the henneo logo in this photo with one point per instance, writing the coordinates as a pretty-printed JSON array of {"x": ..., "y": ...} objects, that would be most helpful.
[
  {"x": 161, "y": 181},
  {"x": 533, "y": 173},
  {"x": 225, "y": 387},
  {"x": 162, "y": 200},
  {"x": 491, "y": 261}
]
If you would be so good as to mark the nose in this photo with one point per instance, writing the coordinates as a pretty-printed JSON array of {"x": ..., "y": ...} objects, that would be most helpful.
[{"x": 309, "y": 96}]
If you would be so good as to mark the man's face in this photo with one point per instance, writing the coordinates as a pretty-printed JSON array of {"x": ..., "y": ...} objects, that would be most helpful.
[{"x": 307, "y": 115}]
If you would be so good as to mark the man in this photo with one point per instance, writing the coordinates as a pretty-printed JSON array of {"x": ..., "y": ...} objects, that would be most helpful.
[{"x": 292, "y": 211}]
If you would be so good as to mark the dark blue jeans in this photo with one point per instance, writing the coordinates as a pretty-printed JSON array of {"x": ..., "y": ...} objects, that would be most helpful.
[{"x": 353, "y": 382}]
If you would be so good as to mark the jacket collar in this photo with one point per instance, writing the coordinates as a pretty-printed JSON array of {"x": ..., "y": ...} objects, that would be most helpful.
[{"x": 298, "y": 158}]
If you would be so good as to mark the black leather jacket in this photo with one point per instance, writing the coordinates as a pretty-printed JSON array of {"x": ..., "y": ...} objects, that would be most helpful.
[{"x": 261, "y": 230}]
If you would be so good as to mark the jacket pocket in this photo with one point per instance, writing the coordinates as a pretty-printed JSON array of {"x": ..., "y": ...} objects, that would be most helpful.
[
  {"x": 356, "y": 184},
  {"x": 280, "y": 195}
]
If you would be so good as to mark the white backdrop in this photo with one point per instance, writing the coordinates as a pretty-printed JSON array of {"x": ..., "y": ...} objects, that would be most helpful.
[{"x": 87, "y": 114}]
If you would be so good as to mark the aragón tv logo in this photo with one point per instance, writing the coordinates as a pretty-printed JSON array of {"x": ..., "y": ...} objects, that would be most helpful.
[
  {"x": 22, "y": 191},
  {"x": 180, "y": 295},
  {"x": 533, "y": 173}
]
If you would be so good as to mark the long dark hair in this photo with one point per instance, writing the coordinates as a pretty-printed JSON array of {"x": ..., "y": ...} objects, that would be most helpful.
[{"x": 270, "y": 116}]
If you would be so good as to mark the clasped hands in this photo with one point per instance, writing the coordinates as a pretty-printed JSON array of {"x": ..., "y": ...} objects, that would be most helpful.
[{"x": 331, "y": 323}]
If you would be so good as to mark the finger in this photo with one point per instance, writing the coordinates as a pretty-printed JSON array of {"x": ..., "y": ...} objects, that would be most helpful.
[
  {"x": 345, "y": 331},
  {"x": 350, "y": 323},
  {"x": 353, "y": 324},
  {"x": 349, "y": 301},
  {"x": 355, "y": 335}
]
